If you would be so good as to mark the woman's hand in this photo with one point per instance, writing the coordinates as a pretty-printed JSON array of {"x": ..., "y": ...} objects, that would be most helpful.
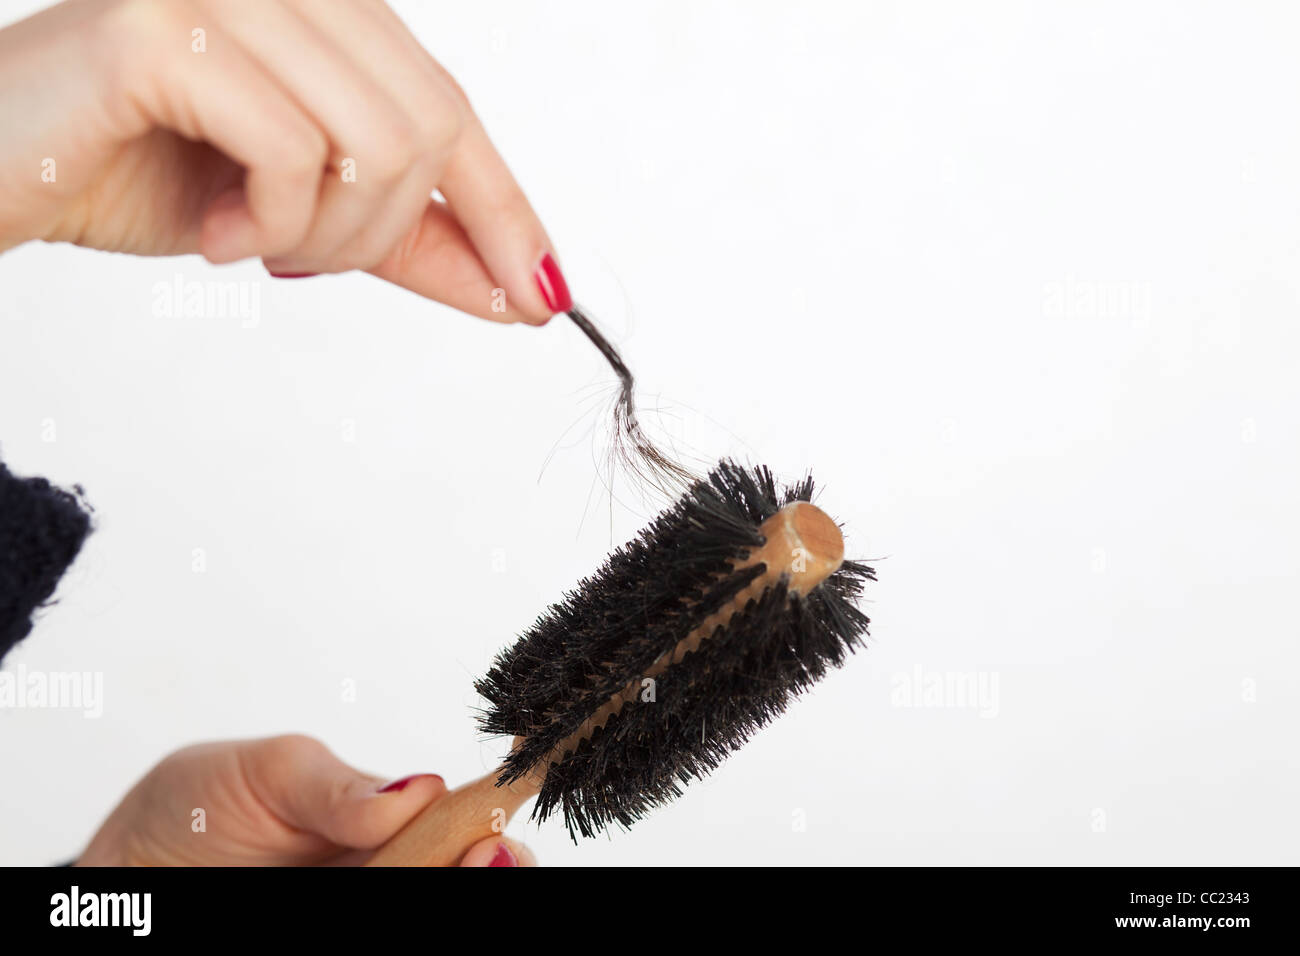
[
  {"x": 311, "y": 134},
  {"x": 283, "y": 801}
]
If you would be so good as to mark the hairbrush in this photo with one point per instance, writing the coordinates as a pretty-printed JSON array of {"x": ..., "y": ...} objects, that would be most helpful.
[{"x": 689, "y": 639}]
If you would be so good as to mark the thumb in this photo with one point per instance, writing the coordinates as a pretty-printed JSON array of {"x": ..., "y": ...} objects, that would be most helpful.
[
  {"x": 307, "y": 787},
  {"x": 498, "y": 851},
  {"x": 438, "y": 261}
]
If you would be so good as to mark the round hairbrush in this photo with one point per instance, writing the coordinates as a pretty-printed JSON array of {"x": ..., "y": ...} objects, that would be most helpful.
[{"x": 667, "y": 659}]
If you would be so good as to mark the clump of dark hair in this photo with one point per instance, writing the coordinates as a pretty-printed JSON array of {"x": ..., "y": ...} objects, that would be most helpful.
[{"x": 631, "y": 449}]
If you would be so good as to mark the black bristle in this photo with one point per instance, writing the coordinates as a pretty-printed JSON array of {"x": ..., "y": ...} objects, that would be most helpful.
[{"x": 650, "y": 594}]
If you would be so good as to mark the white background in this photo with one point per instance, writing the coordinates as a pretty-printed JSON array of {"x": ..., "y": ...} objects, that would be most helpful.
[{"x": 1016, "y": 281}]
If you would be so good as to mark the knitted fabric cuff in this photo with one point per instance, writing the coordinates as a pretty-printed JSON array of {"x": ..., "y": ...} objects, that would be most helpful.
[{"x": 41, "y": 530}]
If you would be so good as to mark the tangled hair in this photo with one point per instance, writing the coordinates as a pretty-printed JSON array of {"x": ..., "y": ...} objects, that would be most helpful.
[{"x": 631, "y": 449}]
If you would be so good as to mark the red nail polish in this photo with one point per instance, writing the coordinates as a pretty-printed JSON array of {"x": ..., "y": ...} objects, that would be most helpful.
[
  {"x": 503, "y": 857},
  {"x": 554, "y": 289},
  {"x": 403, "y": 783},
  {"x": 293, "y": 275}
]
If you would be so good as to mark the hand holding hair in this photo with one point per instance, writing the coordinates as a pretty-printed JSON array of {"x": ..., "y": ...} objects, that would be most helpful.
[{"x": 311, "y": 135}]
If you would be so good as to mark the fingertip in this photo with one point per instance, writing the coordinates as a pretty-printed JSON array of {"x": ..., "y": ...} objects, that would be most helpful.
[
  {"x": 533, "y": 321},
  {"x": 498, "y": 851},
  {"x": 503, "y": 856},
  {"x": 375, "y": 811},
  {"x": 276, "y": 269},
  {"x": 228, "y": 232},
  {"x": 536, "y": 321},
  {"x": 554, "y": 287},
  {"x": 430, "y": 782},
  {"x": 546, "y": 296}
]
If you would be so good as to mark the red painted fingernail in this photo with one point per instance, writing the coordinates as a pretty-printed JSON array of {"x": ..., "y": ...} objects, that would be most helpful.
[
  {"x": 504, "y": 857},
  {"x": 403, "y": 783},
  {"x": 292, "y": 275},
  {"x": 554, "y": 289}
]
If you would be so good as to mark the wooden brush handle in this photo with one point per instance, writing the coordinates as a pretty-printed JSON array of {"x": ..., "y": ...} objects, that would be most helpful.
[{"x": 453, "y": 823}]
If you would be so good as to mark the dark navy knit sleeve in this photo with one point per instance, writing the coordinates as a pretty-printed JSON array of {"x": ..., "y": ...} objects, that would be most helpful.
[{"x": 42, "y": 528}]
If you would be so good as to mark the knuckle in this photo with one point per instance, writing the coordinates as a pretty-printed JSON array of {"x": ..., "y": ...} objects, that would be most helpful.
[
  {"x": 128, "y": 20},
  {"x": 455, "y": 92},
  {"x": 303, "y": 154},
  {"x": 179, "y": 756},
  {"x": 339, "y": 790},
  {"x": 400, "y": 259},
  {"x": 293, "y": 747},
  {"x": 394, "y": 151},
  {"x": 315, "y": 149},
  {"x": 442, "y": 121},
  {"x": 129, "y": 37}
]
